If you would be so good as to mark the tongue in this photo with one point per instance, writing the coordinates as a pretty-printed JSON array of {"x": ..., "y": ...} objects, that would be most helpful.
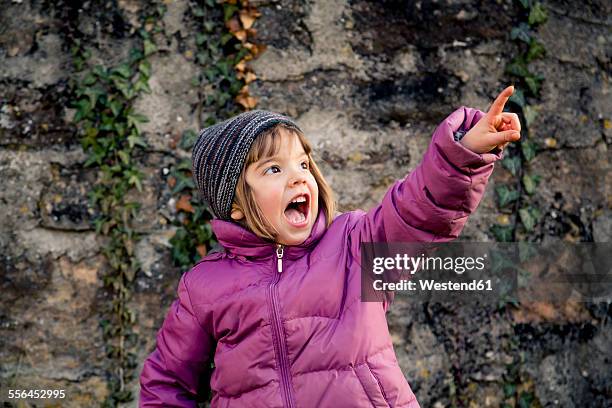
[{"x": 294, "y": 216}]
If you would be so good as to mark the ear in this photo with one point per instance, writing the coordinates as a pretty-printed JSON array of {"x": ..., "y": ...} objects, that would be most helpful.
[{"x": 237, "y": 214}]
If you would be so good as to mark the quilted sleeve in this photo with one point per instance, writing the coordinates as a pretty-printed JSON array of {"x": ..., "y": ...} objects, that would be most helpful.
[
  {"x": 176, "y": 373},
  {"x": 433, "y": 202}
]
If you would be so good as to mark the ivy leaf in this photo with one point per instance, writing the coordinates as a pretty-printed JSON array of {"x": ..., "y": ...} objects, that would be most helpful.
[
  {"x": 89, "y": 79},
  {"x": 529, "y": 217},
  {"x": 183, "y": 183},
  {"x": 528, "y": 148},
  {"x": 536, "y": 50},
  {"x": 537, "y": 15},
  {"x": 210, "y": 73},
  {"x": 534, "y": 83},
  {"x": 149, "y": 47},
  {"x": 188, "y": 139},
  {"x": 530, "y": 182},
  {"x": 119, "y": 128},
  {"x": 125, "y": 158},
  {"x": 228, "y": 11},
  {"x": 184, "y": 165},
  {"x": 96, "y": 156},
  {"x": 204, "y": 232},
  {"x": 224, "y": 68},
  {"x": 123, "y": 86},
  {"x": 198, "y": 12},
  {"x": 134, "y": 140},
  {"x": 526, "y": 252},
  {"x": 518, "y": 67},
  {"x": 525, "y": 400},
  {"x": 90, "y": 137},
  {"x": 142, "y": 85},
  {"x": 513, "y": 164},
  {"x": 93, "y": 94},
  {"x": 145, "y": 68},
  {"x": 225, "y": 38},
  {"x": 135, "y": 118},
  {"x": 502, "y": 233},
  {"x": 134, "y": 180},
  {"x": 509, "y": 390},
  {"x": 115, "y": 107},
  {"x": 518, "y": 97},
  {"x": 521, "y": 32},
  {"x": 530, "y": 114},
  {"x": 100, "y": 71},
  {"x": 524, "y": 3},
  {"x": 506, "y": 195},
  {"x": 83, "y": 108},
  {"x": 213, "y": 47},
  {"x": 123, "y": 70},
  {"x": 202, "y": 58},
  {"x": 209, "y": 26}
]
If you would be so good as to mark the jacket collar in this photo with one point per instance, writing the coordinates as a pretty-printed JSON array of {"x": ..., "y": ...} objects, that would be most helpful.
[{"x": 239, "y": 241}]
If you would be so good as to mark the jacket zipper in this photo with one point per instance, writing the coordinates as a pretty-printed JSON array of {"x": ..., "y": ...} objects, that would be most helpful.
[{"x": 279, "y": 334}]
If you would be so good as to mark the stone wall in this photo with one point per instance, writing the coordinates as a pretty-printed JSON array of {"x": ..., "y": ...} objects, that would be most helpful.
[{"x": 368, "y": 82}]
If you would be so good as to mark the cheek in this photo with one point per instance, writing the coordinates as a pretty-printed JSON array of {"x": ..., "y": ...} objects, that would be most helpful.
[
  {"x": 314, "y": 185},
  {"x": 269, "y": 197}
]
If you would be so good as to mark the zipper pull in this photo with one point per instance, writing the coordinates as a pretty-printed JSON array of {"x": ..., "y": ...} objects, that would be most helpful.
[{"x": 279, "y": 255}]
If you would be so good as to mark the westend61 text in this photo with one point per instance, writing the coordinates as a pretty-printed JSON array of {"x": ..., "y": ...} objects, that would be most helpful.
[{"x": 430, "y": 285}]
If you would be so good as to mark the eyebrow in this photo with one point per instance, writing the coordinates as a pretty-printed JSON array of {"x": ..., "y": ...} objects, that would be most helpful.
[{"x": 275, "y": 158}]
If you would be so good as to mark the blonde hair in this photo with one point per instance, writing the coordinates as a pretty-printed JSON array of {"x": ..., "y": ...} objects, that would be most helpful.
[{"x": 266, "y": 145}]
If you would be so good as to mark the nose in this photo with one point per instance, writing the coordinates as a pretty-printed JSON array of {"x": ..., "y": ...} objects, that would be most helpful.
[{"x": 297, "y": 176}]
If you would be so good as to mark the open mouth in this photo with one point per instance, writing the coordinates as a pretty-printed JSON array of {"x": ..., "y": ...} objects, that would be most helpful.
[{"x": 297, "y": 210}]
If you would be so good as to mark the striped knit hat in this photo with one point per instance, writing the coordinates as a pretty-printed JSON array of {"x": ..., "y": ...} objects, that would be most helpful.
[{"x": 219, "y": 154}]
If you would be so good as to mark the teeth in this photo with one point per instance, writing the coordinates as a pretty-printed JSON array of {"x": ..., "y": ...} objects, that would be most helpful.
[{"x": 300, "y": 199}]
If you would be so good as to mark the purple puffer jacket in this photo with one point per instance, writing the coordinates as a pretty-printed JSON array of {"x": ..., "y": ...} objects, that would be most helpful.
[{"x": 285, "y": 326}]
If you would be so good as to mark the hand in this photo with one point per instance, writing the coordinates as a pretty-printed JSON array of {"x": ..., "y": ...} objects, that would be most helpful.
[{"x": 495, "y": 129}]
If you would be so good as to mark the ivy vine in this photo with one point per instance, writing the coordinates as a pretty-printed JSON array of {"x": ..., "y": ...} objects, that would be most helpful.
[
  {"x": 518, "y": 199},
  {"x": 109, "y": 134},
  {"x": 223, "y": 46}
]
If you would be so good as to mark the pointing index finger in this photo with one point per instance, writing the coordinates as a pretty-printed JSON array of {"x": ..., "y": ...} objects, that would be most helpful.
[{"x": 498, "y": 104}]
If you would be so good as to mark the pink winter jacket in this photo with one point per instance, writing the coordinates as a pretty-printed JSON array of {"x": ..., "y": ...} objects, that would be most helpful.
[{"x": 285, "y": 327}]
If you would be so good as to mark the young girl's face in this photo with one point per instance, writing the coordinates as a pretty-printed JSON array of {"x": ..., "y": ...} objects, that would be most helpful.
[{"x": 277, "y": 181}]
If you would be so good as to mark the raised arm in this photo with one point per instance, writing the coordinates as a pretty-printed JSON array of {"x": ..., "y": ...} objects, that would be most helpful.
[
  {"x": 432, "y": 203},
  {"x": 176, "y": 371}
]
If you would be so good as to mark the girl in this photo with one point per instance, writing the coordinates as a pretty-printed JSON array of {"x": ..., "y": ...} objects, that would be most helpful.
[{"x": 279, "y": 310}]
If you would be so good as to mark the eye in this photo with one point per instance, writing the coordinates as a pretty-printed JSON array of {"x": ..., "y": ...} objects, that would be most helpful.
[
  {"x": 270, "y": 168},
  {"x": 306, "y": 165}
]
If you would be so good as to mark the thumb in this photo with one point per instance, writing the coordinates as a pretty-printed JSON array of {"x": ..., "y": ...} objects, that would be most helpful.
[{"x": 505, "y": 136}]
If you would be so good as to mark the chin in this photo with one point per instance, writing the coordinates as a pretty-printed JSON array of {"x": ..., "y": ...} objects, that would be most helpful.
[{"x": 297, "y": 239}]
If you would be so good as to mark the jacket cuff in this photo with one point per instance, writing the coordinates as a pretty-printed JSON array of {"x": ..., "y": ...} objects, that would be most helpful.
[{"x": 456, "y": 125}]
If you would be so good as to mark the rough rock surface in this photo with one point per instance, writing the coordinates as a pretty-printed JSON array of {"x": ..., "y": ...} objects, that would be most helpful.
[{"x": 368, "y": 81}]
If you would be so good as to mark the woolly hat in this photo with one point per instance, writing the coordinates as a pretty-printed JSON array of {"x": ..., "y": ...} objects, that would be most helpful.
[{"x": 219, "y": 153}]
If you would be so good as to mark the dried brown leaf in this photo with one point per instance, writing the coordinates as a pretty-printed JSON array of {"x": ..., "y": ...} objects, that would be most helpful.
[
  {"x": 250, "y": 77},
  {"x": 171, "y": 181},
  {"x": 241, "y": 35},
  {"x": 233, "y": 25},
  {"x": 201, "y": 250},
  {"x": 246, "y": 19},
  {"x": 184, "y": 204},
  {"x": 248, "y": 102},
  {"x": 241, "y": 66}
]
